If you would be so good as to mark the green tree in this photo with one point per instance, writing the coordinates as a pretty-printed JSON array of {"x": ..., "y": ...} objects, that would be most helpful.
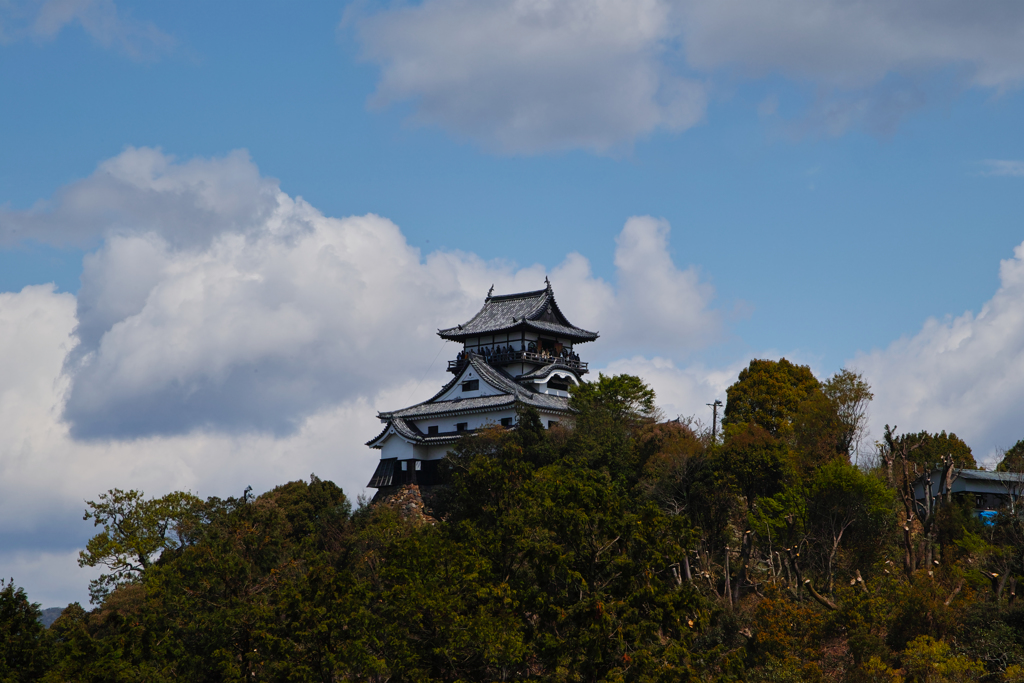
[
  {"x": 830, "y": 423},
  {"x": 759, "y": 463},
  {"x": 135, "y": 532},
  {"x": 927, "y": 660},
  {"x": 849, "y": 512},
  {"x": 614, "y": 415},
  {"x": 1013, "y": 459},
  {"x": 850, "y": 396},
  {"x": 768, "y": 393},
  {"x": 931, "y": 448},
  {"x": 23, "y": 653}
]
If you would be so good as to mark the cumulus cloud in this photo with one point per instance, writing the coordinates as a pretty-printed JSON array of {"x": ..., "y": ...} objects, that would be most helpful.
[
  {"x": 143, "y": 190},
  {"x": 962, "y": 374},
  {"x": 217, "y": 302},
  {"x": 46, "y": 475},
  {"x": 101, "y": 19},
  {"x": 537, "y": 75},
  {"x": 681, "y": 391},
  {"x": 525, "y": 76},
  {"x": 654, "y": 307}
]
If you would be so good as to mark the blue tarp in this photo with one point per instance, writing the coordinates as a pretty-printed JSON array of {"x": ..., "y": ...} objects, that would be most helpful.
[{"x": 987, "y": 517}]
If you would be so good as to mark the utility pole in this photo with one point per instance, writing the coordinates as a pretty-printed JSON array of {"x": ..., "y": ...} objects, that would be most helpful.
[{"x": 714, "y": 418}]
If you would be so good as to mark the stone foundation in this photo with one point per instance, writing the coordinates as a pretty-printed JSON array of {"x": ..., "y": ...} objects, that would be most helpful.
[{"x": 411, "y": 501}]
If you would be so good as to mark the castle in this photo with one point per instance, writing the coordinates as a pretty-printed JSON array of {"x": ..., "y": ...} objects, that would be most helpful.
[{"x": 518, "y": 350}]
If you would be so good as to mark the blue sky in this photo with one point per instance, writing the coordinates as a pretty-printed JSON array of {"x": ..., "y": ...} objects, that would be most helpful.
[{"x": 824, "y": 188}]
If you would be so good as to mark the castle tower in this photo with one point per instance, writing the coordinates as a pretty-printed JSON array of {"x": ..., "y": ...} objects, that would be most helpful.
[{"x": 518, "y": 350}]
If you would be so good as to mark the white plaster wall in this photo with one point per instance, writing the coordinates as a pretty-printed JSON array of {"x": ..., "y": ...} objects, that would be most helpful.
[
  {"x": 396, "y": 447},
  {"x": 474, "y": 421},
  {"x": 469, "y": 374}
]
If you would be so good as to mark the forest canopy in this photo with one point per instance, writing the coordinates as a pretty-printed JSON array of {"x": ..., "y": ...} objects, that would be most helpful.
[{"x": 627, "y": 547}]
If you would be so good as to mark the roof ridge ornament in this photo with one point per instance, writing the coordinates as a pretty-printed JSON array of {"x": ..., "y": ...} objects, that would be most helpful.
[
  {"x": 547, "y": 282},
  {"x": 490, "y": 292}
]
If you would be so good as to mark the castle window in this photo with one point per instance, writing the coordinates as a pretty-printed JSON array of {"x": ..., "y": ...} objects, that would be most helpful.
[
  {"x": 552, "y": 423},
  {"x": 461, "y": 426},
  {"x": 405, "y": 465},
  {"x": 471, "y": 385},
  {"x": 432, "y": 429},
  {"x": 506, "y": 422},
  {"x": 417, "y": 465}
]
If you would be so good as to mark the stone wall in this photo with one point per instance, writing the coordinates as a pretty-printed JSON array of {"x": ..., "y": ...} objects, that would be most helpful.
[{"x": 411, "y": 501}]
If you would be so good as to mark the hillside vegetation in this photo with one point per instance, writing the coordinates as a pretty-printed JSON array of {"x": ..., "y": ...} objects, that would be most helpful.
[{"x": 628, "y": 548}]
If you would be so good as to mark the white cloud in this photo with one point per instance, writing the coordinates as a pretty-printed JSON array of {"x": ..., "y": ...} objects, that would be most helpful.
[
  {"x": 101, "y": 19},
  {"x": 963, "y": 374},
  {"x": 681, "y": 392},
  {"x": 219, "y": 302},
  {"x": 46, "y": 476},
  {"x": 526, "y": 76},
  {"x": 852, "y": 45},
  {"x": 143, "y": 190},
  {"x": 1004, "y": 167}
]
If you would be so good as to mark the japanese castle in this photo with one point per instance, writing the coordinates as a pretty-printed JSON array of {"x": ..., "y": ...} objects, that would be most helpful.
[{"x": 518, "y": 350}]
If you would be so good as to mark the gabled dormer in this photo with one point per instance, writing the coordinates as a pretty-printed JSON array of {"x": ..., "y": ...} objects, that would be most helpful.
[{"x": 471, "y": 383}]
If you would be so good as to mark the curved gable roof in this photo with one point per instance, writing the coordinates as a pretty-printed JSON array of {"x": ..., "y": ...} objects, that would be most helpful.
[
  {"x": 512, "y": 392},
  {"x": 536, "y": 310}
]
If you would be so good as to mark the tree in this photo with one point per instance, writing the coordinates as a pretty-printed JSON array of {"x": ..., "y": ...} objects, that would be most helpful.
[
  {"x": 758, "y": 462},
  {"x": 831, "y": 421},
  {"x": 1013, "y": 459},
  {"x": 768, "y": 393},
  {"x": 22, "y": 647},
  {"x": 135, "y": 532},
  {"x": 846, "y": 509},
  {"x": 931, "y": 448},
  {"x": 614, "y": 414},
  {"x": 624, "y": 399},
  {"x": 850, "y": 396},
  {"x": 817, "y": 432}
]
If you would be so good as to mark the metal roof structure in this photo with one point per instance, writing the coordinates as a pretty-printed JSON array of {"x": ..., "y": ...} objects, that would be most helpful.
[
  {"x": 972, "y": 481},
  {"x": 537, "y": 311}
]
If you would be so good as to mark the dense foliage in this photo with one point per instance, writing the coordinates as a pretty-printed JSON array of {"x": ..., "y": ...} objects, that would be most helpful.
[{"x": 625, "y": 548}]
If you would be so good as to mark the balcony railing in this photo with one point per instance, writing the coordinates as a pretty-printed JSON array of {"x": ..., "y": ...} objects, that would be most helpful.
[{"x": 524, "y": 356}]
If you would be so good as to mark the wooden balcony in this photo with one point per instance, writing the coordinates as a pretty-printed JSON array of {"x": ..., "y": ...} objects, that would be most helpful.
[{"x": 499, "y": 359}]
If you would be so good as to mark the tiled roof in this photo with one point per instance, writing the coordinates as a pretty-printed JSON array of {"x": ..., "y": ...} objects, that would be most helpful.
[
  {"x": 497, "y": 378},
  {"x": 529, "y": 310},
  {"x": 482, "y": 403},
  {"x": 513, "y": 393},
  {"x": 410, "y": 432}
]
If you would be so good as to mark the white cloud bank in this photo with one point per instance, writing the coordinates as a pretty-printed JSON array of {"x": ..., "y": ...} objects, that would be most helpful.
[
  {"x": 525, "y": 76},
  {"x": 963, "y": 374},
  {"x": 218, "y": 302}
]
